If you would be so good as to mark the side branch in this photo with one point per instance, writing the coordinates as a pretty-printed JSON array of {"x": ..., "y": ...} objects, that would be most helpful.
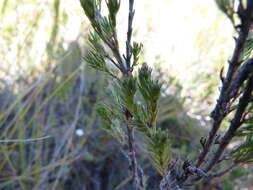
[
  {"x": 137, "y": 172},
  {"x": 219, "y": 174},
  {"x": 235, "y": 123},
  {"x": 129, "y": 34}
]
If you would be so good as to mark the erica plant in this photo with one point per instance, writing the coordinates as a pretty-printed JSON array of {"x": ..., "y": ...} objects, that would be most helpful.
[{"x": 134, "y": 99}]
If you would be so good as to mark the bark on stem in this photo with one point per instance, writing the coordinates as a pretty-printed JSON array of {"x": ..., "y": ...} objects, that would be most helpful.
[
  {"x": 138, "y": 183},
  {"x": 235, "y": 124},
  {"x": 129, "y": 34},
  {"x": 221, "y": 109}
]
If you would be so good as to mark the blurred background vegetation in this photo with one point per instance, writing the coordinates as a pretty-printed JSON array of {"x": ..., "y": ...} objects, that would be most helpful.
[{"x": 46, "y": 89}]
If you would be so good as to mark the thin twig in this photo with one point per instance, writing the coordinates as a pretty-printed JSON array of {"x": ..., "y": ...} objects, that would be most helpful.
[
  {"x": 139, "y": 169},
  {"x": 219, "y": 174},
  {"x": 113, "y": 62},
  {"x": 129, "y": 34},
  {"x": 138, "y": 181},
  {"x": 240, "y": 77},
  {"x": 113, "y": 76},
  {"x": 24, "y": 140}
]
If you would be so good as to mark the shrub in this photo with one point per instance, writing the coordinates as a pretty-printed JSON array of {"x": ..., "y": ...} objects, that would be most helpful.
[{"x": 133, "y": 107}]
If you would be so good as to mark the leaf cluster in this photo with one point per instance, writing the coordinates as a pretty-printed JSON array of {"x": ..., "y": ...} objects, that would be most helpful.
[
  {"x": 142, "y": 114},
  {"x": 150, "y": 90},
  {"x": 103, "y": 25},
  {"x": 244, "y": 152},
  {"x": 113, "y": 7},
  {"x": 159, "y": 146},
  {"x": 95, "y": 56},
  {"x": 135, "y": 98},
  {"x": 136, "y": 51},
  {"x": 111, "y": 122}
]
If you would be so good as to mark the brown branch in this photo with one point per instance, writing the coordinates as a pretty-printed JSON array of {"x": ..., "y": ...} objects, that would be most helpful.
[
  {"x": 234, "y": 125},
  {"x": 240, "y": 77},
  {"x": 221, "y": 108},
  {"x": 139, "y": 169},
  {"x": 214, "y": 175},
  {"x": 136, "y": 171},
  {"x": 129, "y": 34},
  {"x": 246, "y": 72},
  {"x": 177, "y": 175},
  {"x": 113, "y": 62}
]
